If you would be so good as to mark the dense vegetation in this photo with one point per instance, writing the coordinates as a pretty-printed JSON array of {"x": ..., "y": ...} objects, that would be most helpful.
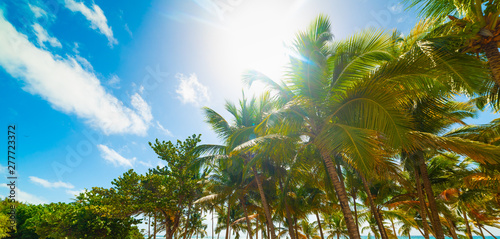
[
  {"x": 363, "y": 135},
  {"x": 65, "y": 220}
]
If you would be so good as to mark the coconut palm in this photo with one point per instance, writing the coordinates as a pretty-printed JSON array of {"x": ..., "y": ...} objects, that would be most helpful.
[
  {"x": 307, "y": 230},
  {"x": 335, "y": 225},
  {"x": 249, "y": 114},
  {"x": 341, "y": 95}
]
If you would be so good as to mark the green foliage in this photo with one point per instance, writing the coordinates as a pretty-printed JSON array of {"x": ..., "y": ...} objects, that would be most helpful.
[
  {"x": 73, "y": 220},
  {"x": 182, "y": 178},
  {"x": 65, "y": 220},
  {"x": 167, "y": 192},
  {"x": 4, "y": 225}
]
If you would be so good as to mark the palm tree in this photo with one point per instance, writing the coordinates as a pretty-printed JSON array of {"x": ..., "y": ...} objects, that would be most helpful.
[
  {"x": 340, "y": 96},
  {"x": 474, "y": 22},
  {"x": 432, "y": 116},
  {"x": 335, "y": 225},
  {"x": 308, "y": 230},
  {"x": 315, "y": 100},
  {"x": 250, "y": 114}
]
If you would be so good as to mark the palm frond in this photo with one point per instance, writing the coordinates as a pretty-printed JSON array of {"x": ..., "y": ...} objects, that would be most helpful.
[{"x": 480, "y": 152}]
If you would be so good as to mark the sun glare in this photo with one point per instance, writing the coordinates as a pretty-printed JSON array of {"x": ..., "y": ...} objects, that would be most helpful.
[{"x": 256, "y": 39}]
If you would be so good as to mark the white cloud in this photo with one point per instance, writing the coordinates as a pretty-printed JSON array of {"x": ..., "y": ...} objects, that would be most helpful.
[
  {"x": 84, "y": 63},
  {"x": 127, "y": 29},
  {"x": 75, "y": 192},
  {"x": 37, "y": 11},
  {"x": 114, "y": 157},
  {"x": 162, "y": 129},
  {"x": 42, "y": 36},
  {"x": 190, "y": 90},
  {"x": 114, "y": 81},
  {"x": 23, "y": 196},
  {"x": 66, "y": 85},
  {"x": 142, "y": 107},
  {"x": 95, "y": 16},
  {"x": 396, "y": 8},
  {"x": 47, "y": 184}
]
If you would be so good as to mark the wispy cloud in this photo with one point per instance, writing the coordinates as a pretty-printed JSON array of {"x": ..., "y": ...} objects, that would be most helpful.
[
  {"x": 46, "y": 184},
  {"x": 142, "y": 107},
  {"x": 37, "y": 11},
  {"x": 67, "y": 86},
  {"x": 127, "y": 29},
  {"x": 190, "y": 90},
  {"x": 114, "y": 81},
  {"x": 396, "y": 8},
  {"x": 163, "y": 130},
  {"x": 84, "y": 63},
  {"x": 114, "y": 157},
  {"x": 23, "y": 196},
  {"x": 42, "y": 36},
  {"x": 95, "y": 16}
]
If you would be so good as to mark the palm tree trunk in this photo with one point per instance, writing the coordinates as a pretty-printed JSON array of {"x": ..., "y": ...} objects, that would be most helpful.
[
  {"x": 436, "y": 223},
  {"x": 394, "y": 228},
  {"x": 421, "y": 232},
  {"x": 452, "y": 228},
  {"x": 296, "y": 230},
  {"x": 213, "y": 222},
  {"x": 249, "y": 228},
  {"x": 267, "y": 232},
  {"x": 287, "y": 212},
  {"x": 373, "y": 208},
  {"x": 421, "y": 199},
  {"x": 467, "y": 226},
  {"x": 355, "y": 211},
  {"x": 228, "y": 217},
  {"x": 319, "y": 225},
  {"x": 269, "y": 219},
  {"x": 341, "y": 195},
  {"x": 493, "y": 56},
  {"x": 481, "y": 231},
  {"x": 489, "y": 232}
]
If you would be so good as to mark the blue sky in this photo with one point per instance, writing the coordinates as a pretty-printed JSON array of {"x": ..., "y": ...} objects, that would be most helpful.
[{"x": 89, "y": 83}]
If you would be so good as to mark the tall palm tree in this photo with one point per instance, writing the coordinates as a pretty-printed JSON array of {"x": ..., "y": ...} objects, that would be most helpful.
[
  {"x": 432, "y": 116},
  {"x": 316, "y": 101},
  {"x": 341, "y": 96},
  {"x": 246, "y": 118}
]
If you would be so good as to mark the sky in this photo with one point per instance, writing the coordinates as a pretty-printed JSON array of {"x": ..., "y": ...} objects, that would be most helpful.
[{"x": 88, "y": 83}]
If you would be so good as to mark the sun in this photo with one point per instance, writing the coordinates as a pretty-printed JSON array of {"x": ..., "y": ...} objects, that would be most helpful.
[{"x": 256, "y": 37}]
